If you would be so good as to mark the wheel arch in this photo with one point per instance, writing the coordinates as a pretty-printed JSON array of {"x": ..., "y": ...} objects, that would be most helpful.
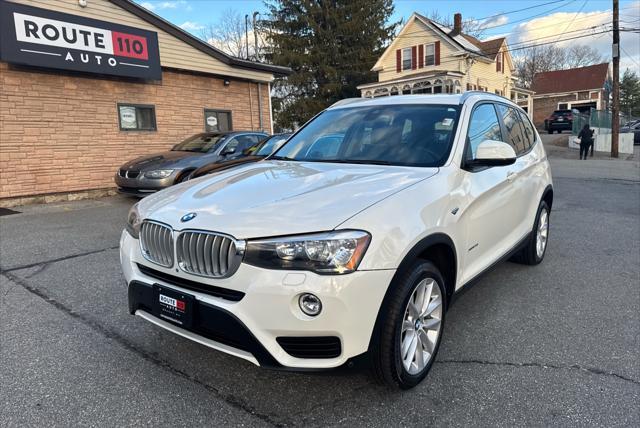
[
  {"x": 547, "y": 196},
  {"x": 439, "y": 249}
]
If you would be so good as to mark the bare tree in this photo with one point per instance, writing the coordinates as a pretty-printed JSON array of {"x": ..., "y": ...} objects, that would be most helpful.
[
  {"x": 538, "y": 59},
  {"x": 228, "y": 34},
  {"x": 582, "y": 55}
]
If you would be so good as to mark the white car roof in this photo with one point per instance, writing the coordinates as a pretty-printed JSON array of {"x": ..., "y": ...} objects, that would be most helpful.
[{"x": 439, "y": 99}]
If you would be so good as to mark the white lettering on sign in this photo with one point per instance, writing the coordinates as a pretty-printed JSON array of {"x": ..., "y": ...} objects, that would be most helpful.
[
  {"x": 168, "y": 301},
  {"x": 50, "y": 32}
]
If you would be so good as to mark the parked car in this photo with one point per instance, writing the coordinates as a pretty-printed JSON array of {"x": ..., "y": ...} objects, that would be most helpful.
[
  {"x": 253, "y": 154},
  {"x": 148, "y": 174},
  {"x": 311, "y": 259},
  {"x": 559, "y": 121},
  {"x": 635, "y": 128}
]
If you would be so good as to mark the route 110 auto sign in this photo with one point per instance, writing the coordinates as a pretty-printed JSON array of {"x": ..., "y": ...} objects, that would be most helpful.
[{"x": 43, "y": 38}]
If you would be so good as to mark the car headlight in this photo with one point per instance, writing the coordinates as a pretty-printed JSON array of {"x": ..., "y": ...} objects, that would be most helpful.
[
  {"x": 158, "y": 173},
  {"x": 134, "y": 221},
  {"x": 335, "y": 252}
]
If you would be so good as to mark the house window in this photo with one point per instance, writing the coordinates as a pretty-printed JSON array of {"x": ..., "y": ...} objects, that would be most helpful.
[
  {"x": 430, "y": 54},
  {"x": 563, "y": 106},
  {"x": 406, "y": 59},
  {"x": 137, "y": 117},
  {"x": 217, "y": 120}
]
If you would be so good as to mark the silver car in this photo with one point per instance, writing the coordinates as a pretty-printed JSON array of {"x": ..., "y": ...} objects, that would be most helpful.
[{"x": 148, "y": 174}]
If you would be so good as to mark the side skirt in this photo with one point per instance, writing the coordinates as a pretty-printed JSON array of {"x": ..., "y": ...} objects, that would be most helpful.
[{"x": 469, "y": 284}]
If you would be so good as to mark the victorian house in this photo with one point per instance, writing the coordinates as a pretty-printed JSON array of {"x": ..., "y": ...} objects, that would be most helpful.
[{"x": 429, "y": 58}]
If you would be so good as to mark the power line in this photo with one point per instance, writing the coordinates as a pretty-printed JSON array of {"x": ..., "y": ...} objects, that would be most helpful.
[{"x": 511, "y": 11}]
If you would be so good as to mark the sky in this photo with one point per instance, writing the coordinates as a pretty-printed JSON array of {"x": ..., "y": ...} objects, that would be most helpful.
[{"x": 542, "y": 21}]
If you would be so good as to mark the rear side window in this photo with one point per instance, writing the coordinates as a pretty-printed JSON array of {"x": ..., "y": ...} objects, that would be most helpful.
[
  {"x": 483, "y": 126},
  {"x": 515, "y": 133},
  {"x": 529, "y": 133}
]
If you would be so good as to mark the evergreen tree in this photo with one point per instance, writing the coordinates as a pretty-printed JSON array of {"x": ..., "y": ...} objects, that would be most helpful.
[
  {"x": 330, "y": 45},
  {"x": 630, "y": 94}
]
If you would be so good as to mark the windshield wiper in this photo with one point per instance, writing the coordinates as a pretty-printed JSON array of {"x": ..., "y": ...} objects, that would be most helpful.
[
  {"x": 354, "y": 161},
  {"x": 284, "y": 158}
]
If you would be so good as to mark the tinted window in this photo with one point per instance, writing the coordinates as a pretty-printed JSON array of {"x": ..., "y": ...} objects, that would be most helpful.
[
  {"x": 200, "y": 143},
  {"x": 483, "y": 126},
  {"x": 410, "y": 135},
  {"x": 529, "y": 133},
  {"x": 515, "y": 134}
]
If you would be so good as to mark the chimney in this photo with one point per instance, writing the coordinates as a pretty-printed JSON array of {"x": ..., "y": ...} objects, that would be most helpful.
[{"x": 457, "y": 24}]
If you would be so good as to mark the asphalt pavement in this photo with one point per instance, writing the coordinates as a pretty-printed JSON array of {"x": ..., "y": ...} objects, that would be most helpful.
[{"x": 555, "y": 344}]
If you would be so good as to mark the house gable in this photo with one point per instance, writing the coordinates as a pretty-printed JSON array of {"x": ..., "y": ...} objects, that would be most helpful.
[{"x": 414, "y": 34}]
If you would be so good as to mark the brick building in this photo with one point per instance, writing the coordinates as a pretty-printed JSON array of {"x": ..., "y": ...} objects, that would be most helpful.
[
  {"x": 85, "y": 88},
  {"x": 580, "y": 88}
]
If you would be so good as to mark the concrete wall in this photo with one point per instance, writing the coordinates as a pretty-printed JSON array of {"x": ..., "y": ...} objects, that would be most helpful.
[{"x": 603, "y": 142}]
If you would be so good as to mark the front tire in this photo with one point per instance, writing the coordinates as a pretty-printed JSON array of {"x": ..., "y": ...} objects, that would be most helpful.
[
  {"x": 536, "y": 247},
  {"x": 407, "y": 336}
]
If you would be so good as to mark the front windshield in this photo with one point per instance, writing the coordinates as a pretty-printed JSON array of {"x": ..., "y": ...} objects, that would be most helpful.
[
  {"x": 408, "y": 135},
  {"x": 271, "y": 145},
  {"x": 200, "y": 143}
]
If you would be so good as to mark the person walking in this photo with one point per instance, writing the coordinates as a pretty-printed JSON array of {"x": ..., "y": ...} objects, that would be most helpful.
[{"x": 586, "y": 140}]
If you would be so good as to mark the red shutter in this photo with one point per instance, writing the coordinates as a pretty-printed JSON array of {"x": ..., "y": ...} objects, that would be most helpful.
[
  {"x": 398, "y": 60},
  {"x": 498, "y": 62},
  {"x": 414, "y": 54},
  {"x": 420, "y": 56},
  {"x": 502, "y": 53},
  {"x": 438, "y": 52}
]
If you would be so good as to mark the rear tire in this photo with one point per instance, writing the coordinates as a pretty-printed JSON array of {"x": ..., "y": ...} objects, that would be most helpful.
[
  {"x": 550, "y": 131},
  {"x": 534, "y": 250},
  {"x": 407, "y": 336}
]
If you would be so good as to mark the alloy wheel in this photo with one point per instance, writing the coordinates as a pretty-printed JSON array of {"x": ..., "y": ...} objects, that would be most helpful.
[
  {"x": 542, "y": 233},
  {"x": 421, "y": 326}
]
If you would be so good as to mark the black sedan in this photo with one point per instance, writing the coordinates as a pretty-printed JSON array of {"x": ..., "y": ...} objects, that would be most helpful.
[
  {"x": 148, "y": 174},
  {"x": 252, "y": 154}
]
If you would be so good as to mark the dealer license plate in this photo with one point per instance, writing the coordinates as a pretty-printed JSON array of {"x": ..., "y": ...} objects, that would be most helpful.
[{"x": 173, "y": 306}]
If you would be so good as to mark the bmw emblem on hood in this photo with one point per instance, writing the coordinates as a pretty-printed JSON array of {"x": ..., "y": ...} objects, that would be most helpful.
[{"x": 188, "y": 217}]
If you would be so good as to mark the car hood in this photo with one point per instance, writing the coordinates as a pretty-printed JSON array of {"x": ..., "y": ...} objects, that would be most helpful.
[
  {"x": 224, "y": 164},
  {"x": 161, "y": 160},
  {"x": 271, "y": 198}
]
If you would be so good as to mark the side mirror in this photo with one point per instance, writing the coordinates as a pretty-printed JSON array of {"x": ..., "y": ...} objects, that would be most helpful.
[
  {"x": 228, "y": 151},
  {"x": 493, "y": 153}
]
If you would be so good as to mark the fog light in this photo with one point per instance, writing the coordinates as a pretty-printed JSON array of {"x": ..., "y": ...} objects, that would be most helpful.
[{"x": 310, "y": 304}]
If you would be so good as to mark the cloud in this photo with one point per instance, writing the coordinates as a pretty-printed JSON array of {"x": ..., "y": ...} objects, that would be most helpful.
[
  {"x": 165, "y": 4},
  {"x": 147, "y": 5},
  {"x": 495, "y": 21},
  {"x": 564, "y": 25},
  {"x": 191, "y": 26}
]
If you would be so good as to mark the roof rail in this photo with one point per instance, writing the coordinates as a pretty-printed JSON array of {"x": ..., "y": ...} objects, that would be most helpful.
[
  {"x": 467, "y": 94},
  {"x": 346, "y": 101}
]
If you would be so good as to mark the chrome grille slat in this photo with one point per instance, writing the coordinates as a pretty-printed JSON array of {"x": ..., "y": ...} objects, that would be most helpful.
[
  {"x": 156, "y": 241},
  {"x": 207, "y": 254}
]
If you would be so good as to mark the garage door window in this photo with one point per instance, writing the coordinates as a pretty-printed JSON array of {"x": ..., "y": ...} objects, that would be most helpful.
[
  {"x": 137, "y": 117},
  {"x": 217, "y": 120}
]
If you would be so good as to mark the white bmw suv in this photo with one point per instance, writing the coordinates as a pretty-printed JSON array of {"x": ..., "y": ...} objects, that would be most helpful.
[{"x": 351, "y": 240}]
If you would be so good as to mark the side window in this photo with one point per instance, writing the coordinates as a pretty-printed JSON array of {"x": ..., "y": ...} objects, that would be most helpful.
[
  {"x": 483, "y": 126},
  {"x": 515, "y": 134},
  {"x": 217, "y": 120},
  {"x": 232, "y": 144},
  {"x": 528, "y": 129}
]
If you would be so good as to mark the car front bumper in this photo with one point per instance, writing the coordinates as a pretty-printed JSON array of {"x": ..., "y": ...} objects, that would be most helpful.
[
  {"x": 141, "y": 186},
  {"x": 267, "y": 312}
]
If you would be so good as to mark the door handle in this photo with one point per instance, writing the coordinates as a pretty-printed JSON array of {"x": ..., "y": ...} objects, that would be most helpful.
[{"x": 511, "y": 175}]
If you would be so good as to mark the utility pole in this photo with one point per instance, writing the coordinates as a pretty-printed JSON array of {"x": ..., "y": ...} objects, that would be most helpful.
[
  {"x": 255, "y": 36},
  {"x": 615, "y": 108},
  {"x": 246, "y": 35}
]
